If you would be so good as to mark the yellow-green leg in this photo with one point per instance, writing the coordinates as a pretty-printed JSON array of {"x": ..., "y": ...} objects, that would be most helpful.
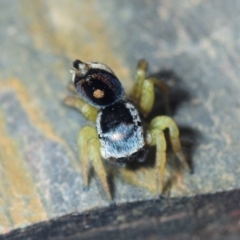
[
  {"x": 158, "y": 139},
  {"x": 89, "y": 153},
  {"x": 165, "y": 122},
  {"x": 88, "y": 143},
  {"x": 140, "y": 76},
  {"x": 148, "y": 95},
  {"x": 157, "y": 126},
  {"x": 87, "y": 110},
  {"x": 143, "y": 94}
]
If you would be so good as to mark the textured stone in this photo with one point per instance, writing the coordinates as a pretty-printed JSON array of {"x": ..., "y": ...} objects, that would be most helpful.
[{"x": 192, "y": 45}]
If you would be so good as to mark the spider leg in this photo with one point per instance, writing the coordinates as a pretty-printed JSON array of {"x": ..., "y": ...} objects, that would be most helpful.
[
  {"x": 140, "y": 76},
  {"x": 143, "y": 94},
  {"x": 158, "y": 139},
  {"x": 89, "y": 152},
  {"x": 88, "y": 143},
  {"x": 148, "y": 95},
  {"x": 165, "y": 122},
  {"x": 87, "y": 110},
  {"x": 157, "y": 126}
]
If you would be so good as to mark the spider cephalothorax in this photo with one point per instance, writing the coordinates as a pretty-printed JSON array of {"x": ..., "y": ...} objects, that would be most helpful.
[{"x": 119, "y": 135}]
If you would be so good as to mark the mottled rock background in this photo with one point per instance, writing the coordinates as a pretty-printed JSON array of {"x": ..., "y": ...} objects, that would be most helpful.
[{"x": 193, "y": 45}]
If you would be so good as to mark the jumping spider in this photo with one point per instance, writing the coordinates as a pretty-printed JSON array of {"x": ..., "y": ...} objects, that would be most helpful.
[{"x": 119, "y": 135}]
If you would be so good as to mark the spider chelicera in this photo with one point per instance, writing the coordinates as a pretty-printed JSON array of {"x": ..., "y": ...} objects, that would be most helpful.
[{"x": 120, "y": 135}]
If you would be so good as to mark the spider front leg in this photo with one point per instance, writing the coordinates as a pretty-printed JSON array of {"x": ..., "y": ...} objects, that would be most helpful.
[
  {"x": 89, "y": 145},
  {"x": 87, "y": 110},
  {"x": 157, "y": 126},
  {"x": 143, "y": 94}
]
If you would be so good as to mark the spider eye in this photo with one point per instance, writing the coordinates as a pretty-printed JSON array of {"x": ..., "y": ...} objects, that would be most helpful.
[{"x": 96, "y": 84}]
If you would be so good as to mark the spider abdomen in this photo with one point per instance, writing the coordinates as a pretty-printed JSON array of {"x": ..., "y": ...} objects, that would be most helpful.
[{"x": 120, "y": 131}]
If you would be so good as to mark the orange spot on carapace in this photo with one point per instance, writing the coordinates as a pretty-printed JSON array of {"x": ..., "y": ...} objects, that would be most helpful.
[{"x": 98, "y": 93}]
